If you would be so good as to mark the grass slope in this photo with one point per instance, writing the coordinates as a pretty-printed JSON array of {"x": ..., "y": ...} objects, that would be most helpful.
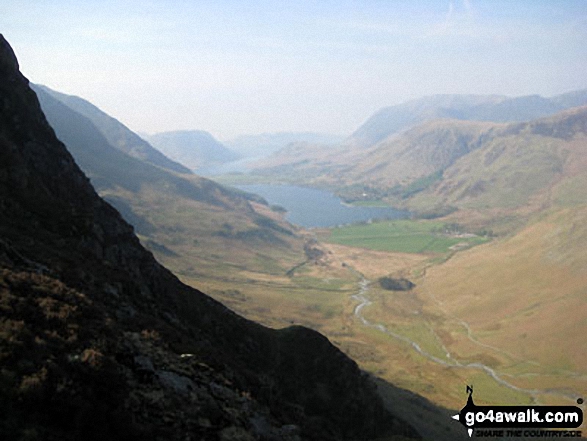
[
  {"x": 525, "y": 294},
  {"x": 192, "y": 224}
]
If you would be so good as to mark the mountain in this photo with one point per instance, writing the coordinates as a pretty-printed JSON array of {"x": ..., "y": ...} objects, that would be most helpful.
[
  {"x": 402, "y": 144},
  {"x": 193, "y": 148},
  {"x": 399, "y": 160},
  {"x": 116, "y": 133},
  {"x": 440, "y": 165},
  {"x": 393, "y": 119},
  {"x": 519, "y": 165},
  {"x": 532, "y": 280},
  {"x": 197, "y": 227},
  {"x": 267, "y": 143},
  {"x": 99, "y": 341}
]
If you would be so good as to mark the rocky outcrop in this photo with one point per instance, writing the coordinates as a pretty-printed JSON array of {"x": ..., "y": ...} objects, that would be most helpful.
[{"x": 99, "y": 341}]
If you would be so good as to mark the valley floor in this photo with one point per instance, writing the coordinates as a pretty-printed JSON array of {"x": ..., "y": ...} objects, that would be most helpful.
[
  {"x": 505, "y": 314},
  {"x": 414, "y": 339}
]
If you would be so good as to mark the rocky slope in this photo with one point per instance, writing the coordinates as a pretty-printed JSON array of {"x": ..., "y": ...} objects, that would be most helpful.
[{"x": 99, "y": 341}]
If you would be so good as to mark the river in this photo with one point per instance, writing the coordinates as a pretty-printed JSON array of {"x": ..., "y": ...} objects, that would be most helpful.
[{"x": 363, "y": 299}]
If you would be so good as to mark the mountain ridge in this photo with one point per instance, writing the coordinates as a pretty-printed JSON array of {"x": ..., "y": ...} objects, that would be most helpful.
[
  {"x": 438, "y": 166},
  {"x": 193, "y": 148},
  {"x": 494, "y": 108},
  {"x": 116, "y": 133},
  {"x": 188, "y": 221},
  {"x": 108, "y": 323}
]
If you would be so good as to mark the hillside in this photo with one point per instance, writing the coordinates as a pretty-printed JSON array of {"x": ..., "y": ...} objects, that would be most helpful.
[
  {"x": 407, "y": 146},
  {"x": 393, "y": 119},
  {"x": 94, "y": 329},
  {"x": 520, "y": 166},
  {"x": 443, "y": 165},
  {"x": 194, "y": 149},
  {"x": 416, "y": 153},
  {"x": 117, "y": 134},
  {"x": 507, "y": 314},
  {"x": 194, "y": 225}
]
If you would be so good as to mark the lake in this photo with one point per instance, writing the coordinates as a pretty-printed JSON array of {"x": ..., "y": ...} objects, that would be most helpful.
[{"x": 308, "y": 207}]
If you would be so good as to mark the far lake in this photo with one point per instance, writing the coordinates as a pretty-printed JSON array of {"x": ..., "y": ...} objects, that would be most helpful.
[{"x": 309, "y": 207}]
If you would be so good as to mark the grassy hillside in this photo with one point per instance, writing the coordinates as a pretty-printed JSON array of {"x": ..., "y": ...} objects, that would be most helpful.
[
  {"x": 419, "y": 152},
  {"x": 519, "y": 167},
  {"x": 386, "y": 168},
  {"x": 192, "y": 224},
  {"x": 524, "y": 297}
]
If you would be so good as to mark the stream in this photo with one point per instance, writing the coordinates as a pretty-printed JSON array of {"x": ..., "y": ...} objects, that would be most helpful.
[{"x": 364, "y": 301}]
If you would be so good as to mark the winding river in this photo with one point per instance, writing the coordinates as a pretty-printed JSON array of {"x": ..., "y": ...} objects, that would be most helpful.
[{"x": 363, "y": 301}]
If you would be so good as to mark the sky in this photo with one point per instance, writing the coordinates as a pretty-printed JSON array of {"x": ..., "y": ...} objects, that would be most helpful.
[{"x": 248, "y": 67}]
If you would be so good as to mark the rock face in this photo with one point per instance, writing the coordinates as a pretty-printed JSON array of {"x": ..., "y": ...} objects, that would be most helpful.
[{"x": 99, "y": 341}]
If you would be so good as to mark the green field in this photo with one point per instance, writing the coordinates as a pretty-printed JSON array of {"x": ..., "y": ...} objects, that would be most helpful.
[{"x": 405, "y": 236}]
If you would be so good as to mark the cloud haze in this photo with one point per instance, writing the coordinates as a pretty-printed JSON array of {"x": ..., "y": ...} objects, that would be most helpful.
[{"x": 248, "y": 67}]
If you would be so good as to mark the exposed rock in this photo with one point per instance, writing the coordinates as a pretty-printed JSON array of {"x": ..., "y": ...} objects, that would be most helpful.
[{"x": 91, "y": 347}]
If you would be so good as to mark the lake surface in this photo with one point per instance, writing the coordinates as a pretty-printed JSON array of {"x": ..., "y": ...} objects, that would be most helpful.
[{"x": 309, "y": 207}]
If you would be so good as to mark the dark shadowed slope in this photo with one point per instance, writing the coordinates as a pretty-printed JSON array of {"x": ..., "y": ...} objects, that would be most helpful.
[
  {"x": 116, "y": 133},
  {"x": 107, "y": 166},
  {"x": 93, "y": 328}
]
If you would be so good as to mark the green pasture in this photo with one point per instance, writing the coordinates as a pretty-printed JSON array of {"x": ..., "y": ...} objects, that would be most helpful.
[{"x": 407, "y": 236}]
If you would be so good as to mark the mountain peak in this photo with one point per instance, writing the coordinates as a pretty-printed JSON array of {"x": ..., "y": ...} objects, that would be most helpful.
[
  {"x": 8, "y": 61},
  {"x": 94, "y": 327}
]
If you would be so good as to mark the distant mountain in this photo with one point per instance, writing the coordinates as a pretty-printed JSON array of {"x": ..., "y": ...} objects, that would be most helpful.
[
  {"x": 108, "y": 167},
  {"x": 571, "y": 99},
  {"x": 445, "y": 164},
  {"x": 184, "y": 219},
  {"x": 391, "y": 120},
  {"x": 193, "y": 148},
  {"x": 267, "y": 143},
  {"x": 99, "y": 341},
  {"x": 116, "y": 133}
]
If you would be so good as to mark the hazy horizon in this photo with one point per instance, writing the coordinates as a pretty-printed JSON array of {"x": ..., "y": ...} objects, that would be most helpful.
[{"x": 236, "y": 69}]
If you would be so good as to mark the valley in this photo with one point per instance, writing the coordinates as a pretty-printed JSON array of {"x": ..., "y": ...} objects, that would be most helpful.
[
  {"x": 408, "y": 338},
  {"x": 293, "y": 221},
  {"x": 494, "y": 274}
]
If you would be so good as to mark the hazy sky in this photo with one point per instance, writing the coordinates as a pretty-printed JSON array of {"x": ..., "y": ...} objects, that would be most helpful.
[{"x": 236, "y": 67}]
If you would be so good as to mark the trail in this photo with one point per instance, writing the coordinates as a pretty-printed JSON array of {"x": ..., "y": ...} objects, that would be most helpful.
[{"x": 364, "y": 301}]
